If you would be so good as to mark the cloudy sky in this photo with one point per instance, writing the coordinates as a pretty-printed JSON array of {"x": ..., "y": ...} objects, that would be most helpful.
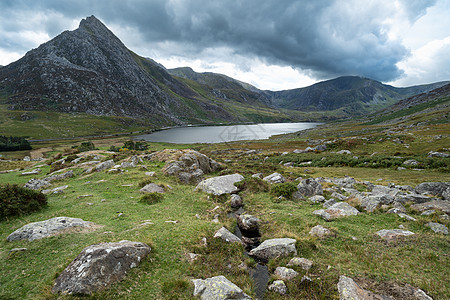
[{"x": 272, "y": 44}]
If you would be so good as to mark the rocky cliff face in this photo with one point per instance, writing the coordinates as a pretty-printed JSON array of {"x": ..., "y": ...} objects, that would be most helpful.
[{"x": 90, "y": 70}]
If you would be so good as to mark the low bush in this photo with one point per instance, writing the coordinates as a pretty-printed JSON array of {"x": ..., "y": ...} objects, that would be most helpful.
[
  {"x": 286, "y": 190},
  {"x": 152, "y": 198},
  {"x": 253, "y": 185},
  {"x": 86, "y": 146},
  {"x": 18, "y": 201}
]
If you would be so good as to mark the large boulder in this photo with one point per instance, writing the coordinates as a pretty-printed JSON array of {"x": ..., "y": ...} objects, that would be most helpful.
[
  {"x": 274, "y": 248},
  {"x": 39, "y": 230},
  {"x": 436, "y": 204},
  {"x": 36, "y": 184},
  {"x": 309, "y": 187},
  {"x": 437, "y": 227},
  {"x": 433, "y": 188},
  {"x": 62, "y": 176},
  {"x": 227, "y": 236},
  {"x": 274, "y": 178},
  {"x": 99, "y": 266},
  {"x": 104, "y": 165},
  {"x": 218, "y": 288},
  {"x": 220, "y": 185},
  {"x": 285, "y": 273},
  {"x": 393, "y": 234},
  {"x": 152, "y": 188},
  {"x": 350, "y": 290},
  {"x": 248, "y": 222},
  {"x": 338, "y": 210}
]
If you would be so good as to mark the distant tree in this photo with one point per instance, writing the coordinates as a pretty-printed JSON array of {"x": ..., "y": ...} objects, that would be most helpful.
[
  {"x": 13, "y": 143},
  {"x": 86, "y": 146}
]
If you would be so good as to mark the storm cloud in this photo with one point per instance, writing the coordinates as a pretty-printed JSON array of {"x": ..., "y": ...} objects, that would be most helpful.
[{"x": 323, "y": 38}]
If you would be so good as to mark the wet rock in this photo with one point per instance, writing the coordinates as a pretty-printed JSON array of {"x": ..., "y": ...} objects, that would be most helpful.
[
  {"x": 274, "y": 178},
  {"x": 39, "y": 230},
  {"x": 303, "y": 263},
  {"x": 278, "y": 286},
  {"x": 218, "y": 288},
  {"x": 285, "y": 273},
  {"x": 248, "y": 222},
  {"x": 435, "y": 204},
  {"x": 393, "y": 234},
  {"x": 438, "y": 228},
  {"x": 320, "y": 232},
  {"x": 99, "y": 266},
  {"x": 309, "y": 187},
  {"x": 338, "y": 210},
  {"x": 274, "y": 248},
  {"x": 220, "y": 185},
  {"x": 227, "y": 236},
  {"x": 236, "y": 201},
  {"x": 152, "y": 188}
]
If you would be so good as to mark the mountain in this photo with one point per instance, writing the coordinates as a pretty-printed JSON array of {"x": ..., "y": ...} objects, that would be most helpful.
[
  {"x": 89, "y": 70},
  {"x": 351, "y": 94}
]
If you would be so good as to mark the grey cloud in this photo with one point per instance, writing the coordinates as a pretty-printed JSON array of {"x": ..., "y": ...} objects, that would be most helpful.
[{"x": 326, "y": 38}]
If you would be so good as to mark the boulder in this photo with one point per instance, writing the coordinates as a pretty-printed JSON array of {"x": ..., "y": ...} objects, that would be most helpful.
[
  {"x": 39, "y": 230},
  {"x": 438, "y": 154},
  {"x": 338, "y": 210},
  {"x": 350, "y": 290},
  {"x": 303, "y": 263},
  {"x": 218, "y": 288},
  {"x": 278, "y": 286},
  {"x": 329, "y": 203},
  {"x": 274, "y": 248},
  {"x": 412, "y": 197},
  {"x": 56, "y": 190},
  {"x": 236, "y": 201},
  {"x": 248, "y": 222},
  {"x": 99, "y": 266},
  {"x": 393, "y": 234},
  {"x": 285, "y": 273},
  {"x": 433, "y": 188},
  {"x": 317, "y": 199},
  {"x": 435, "y": 204},
  {"x": 104, "y": 165},
  {"x": 227, "y": 236},
  {"x": 152, "y": 188},
  {"x": 438, "y": 228},
  {"x": 56, "y": 177},
  {"x": 36, "y": 184},
  {"x": 338, "y": 196},
  {"x": 348, "y": 152},
  {"x": 320, "y": 232},
  {"x": 274, "y": 178},
  {"x": 309, "y": 187},
  {"x": 33, "y": 172},
  {"x": 411, "y": 163},
  {"x": 220, "y": 185}
]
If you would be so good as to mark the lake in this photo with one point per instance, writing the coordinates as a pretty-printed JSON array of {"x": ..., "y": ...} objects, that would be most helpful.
[{"x": 220, "y": 134}]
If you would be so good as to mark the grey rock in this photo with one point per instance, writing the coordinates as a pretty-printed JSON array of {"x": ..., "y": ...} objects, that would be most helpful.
[
  {"x": 104, "y": 165},
  {"x": 350, "y": 290},
  {"x": 444, "y": 217},
  {"x": 421, "y": 295},
  {"x": 151, "y": 174},
  {"x": 410, "y": 163},
  {"x": 14, "y": 250},
  {"x": 317, "y": 199},
  {"x": 258, "y": 175},
  {"x": 433, "y": 188},
  {"x": 56, "y": 177},
  {"x": 274, "y": 248},
  {"x": 285, "y": 273},
  {"x": 393, "y": 234},
  {"x": 274, "y": 178},
  {"x": 56, "y": 190},
  {"x": 303, "y": 263},
  {"x": 344, "y": 182},
  {"x": 344, "y": 152},
  {"x": 338, "y": 210},
  {"x": 39, "y": 230},
  {"x": 438, "y": 228},
  {"x": 227, "y": 236},
  {"x": 289, "y": 164},
  {"x": 320, "y": 232},
  {"x": 405, "y": 216},
  {"x": 435, "y": 204},
  {"x": 329, "y": 203},
  {"x": 26, "y": 158},
  {"x": 36, "y": 184},
  {"x": 218, "y": 288},
  {"x": 428, "y": 212},
  {"x": 338, "y": 196},
  {"x": 370, "y": 203},
  {"x": 412, "y": 197},
  {"x": 278, "y": 286},
  {"x": 438, "y": 154},
  {"x": 236, "y": 201},
  {"x": 152, "y": 188},
  {"x": 99, "y": 266},
  {"x": 220, "y": 185},
  {"x": 248, "y": 222},
  {"x": 33, "y": 172},
  {"x": 309, "y": 187}
]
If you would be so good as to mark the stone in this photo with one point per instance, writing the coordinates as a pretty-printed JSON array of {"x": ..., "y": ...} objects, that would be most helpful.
[
  {"x": 152, "y": 188},
  {"x": 56, "y": 177},
  {"x": 320, "y": 232},
  {"x": 227, "y": 236},
  {"x": 36, "y": 184},
  {"x": 412, "y": 197},
  {"x": 15, "y": 250},
  {"x": 433, "y": 188},
  {"x": 317, "y": 199},
  {"x": 274, "y": 248},
  {"x": 350, "y": 290},
  {"x": 329, "y": 203},
  {"x": 438, "y": 228},
  {"x": 393, "y": 234},
  {"x": 421, "y": 295},
  {"x": 438, "y": 154},
  {"x": 56, "y": 190},
  {"x": 104, "y": 165},
  {"x": 99, "y": 266},
  {"x": 285, "y": 273},
  {"x": 257, "y": 175},
  {"x": 428, "y": 212},
  {"x": 344, "y": 152},
  {"x": 371, "y": 203},
  {"x": 338, "y": 210},
  {"x": 278, "y": 286},
  {"x": 236, "y": 201},
  {"x": 39, "y": 230},
  {"x": 303, "y": 263},
  {"x": 339, "y": 196},
  {"x": 33, "y": 172},
  {"x": 274, "y": 178},
  {"x": 442, "y": 205},
  {"x": 218, "y": 288},
  {"x": 248, "y": 222},
  {"x": 405, "y": 216},
  {"x": 26, "y": 158},
  {"x": 309, "y": 187},
  {"x": 411, "y": 163},
  {"x": 151, "y": 174},
  {"x": 220, "y": 185}
]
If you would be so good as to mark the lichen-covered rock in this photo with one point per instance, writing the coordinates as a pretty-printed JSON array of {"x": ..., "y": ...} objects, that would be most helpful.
[
  {"x": 39, "y": 230},
  {"x": 236, "y": 201},
  {"x": 99, "y": 266},
  {"x": 309, "y": 187},
  {"x": 285, "y": 273},
  {"x": 338, "y": 210},
  {"x": 435, "y": 204},
  {"x": 274, "y": 248},
  {"x": 320, "y": 232},
  {"x": 104, "y": 165},
  {"x": 36, "y": 184},
  {"x": 218, "y": 288},
  {"x": 303, "y": 263},
  {"x": 437, "y": 228},
  {"x": 248, "y": 222},
  {"x": 433, "y": 188},
  {"x": 350, "y": 290},
  {"x": 393, "y": 234},
  {"x": 62, "y": 176},
  {"x": 274, "y": 178},
  {"x": 227, "y": 236},
  {"x": 278, "y": 286},
  {"x": 152, "y": 188},
  {"x": 220, "y": 185}
]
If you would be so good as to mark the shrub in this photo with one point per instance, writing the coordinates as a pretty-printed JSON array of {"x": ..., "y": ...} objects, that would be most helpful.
[
  {"x": 152, "y": 198},
  {"x": 18, "y": 201},
  {"x": 253, "y": 185},
  {"x": 13, "y": 143},
  {"x": 285, "y": 189},
  {"x": 144, "y": 182},
  {"x": 86, "y": 146}
]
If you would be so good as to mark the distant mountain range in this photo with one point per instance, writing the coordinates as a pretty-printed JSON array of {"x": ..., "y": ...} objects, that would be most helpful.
[{"x": 89, "y": 70}]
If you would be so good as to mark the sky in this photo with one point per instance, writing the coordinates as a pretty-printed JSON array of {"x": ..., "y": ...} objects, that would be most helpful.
[{"x": 271, "y": 44}]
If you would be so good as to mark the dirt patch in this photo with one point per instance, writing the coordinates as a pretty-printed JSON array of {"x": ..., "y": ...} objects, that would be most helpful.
[
  {"x": 38, "y": 153},
  {"x": 397, "y": 290}
]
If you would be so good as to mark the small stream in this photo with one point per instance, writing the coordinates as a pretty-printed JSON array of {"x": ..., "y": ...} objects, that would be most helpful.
[{"x": 260, "y": 273}]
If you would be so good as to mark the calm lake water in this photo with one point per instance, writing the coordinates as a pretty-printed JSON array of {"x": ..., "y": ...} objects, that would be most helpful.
[{"x": 220, "y": 134}]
